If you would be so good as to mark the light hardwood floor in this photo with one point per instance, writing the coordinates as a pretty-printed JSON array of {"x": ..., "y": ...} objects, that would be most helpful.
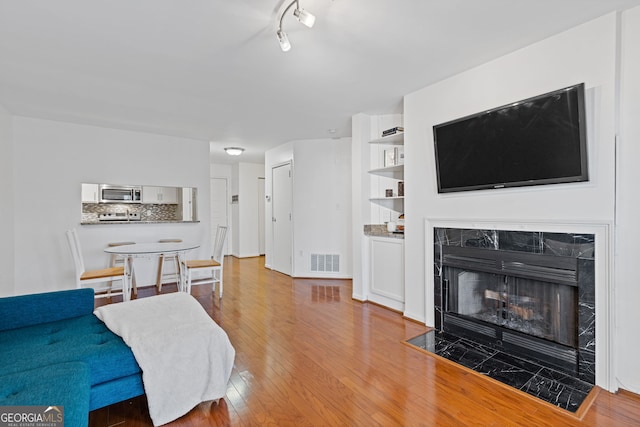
[{"x": 309, "y": 355}]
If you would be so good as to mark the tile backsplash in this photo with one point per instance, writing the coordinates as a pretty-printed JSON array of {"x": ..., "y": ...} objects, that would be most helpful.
[{"x": 148, "y": 212}]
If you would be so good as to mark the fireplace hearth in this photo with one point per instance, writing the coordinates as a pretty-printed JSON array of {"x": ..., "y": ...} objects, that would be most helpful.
[{"x": 526, "y": 294}]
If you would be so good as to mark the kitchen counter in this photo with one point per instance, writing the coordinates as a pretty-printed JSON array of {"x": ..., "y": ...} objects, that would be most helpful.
[
  {"x": 137, "y": 222},
  {"x": 380, "y": 230}
]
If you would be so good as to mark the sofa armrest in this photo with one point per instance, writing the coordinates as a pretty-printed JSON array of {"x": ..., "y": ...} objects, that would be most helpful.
[{"x": 28, "y": 310}]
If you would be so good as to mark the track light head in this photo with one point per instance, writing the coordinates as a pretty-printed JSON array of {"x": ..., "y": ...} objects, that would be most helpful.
[
  {"x": 284, "y": 41},
  {"x": 304, "y": 17}
]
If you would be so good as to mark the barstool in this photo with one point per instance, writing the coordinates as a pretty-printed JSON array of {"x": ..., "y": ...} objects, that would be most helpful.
[
  {"x": 119, "y": 260},
  {"x": 173, "y": 258}
]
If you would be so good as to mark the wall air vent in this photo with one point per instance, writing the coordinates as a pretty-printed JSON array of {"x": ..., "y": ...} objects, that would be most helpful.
[{"x": 325, "y": 263}]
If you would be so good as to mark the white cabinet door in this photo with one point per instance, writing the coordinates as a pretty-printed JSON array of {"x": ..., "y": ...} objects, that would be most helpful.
[
  {"x": 387, "y": 272},
  {"x": 89, "y": 193},
  {"x": 150, "y": 194},
  {"x": 159, "y": 195},
  {"x": 169, "y": 195}
]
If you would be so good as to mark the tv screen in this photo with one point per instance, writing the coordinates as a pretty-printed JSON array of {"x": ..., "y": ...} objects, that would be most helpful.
[{"x": 540, "y": 140}]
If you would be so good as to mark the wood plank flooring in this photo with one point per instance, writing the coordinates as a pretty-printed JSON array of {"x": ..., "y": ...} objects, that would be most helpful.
[{"x": 308, "y": 355}]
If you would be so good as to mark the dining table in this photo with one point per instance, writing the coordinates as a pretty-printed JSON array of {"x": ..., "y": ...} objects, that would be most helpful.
[{"x": 129, "y": 252}]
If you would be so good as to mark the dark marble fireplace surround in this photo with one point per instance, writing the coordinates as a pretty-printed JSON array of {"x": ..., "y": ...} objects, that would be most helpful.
[{"x": 520, "y": 298}]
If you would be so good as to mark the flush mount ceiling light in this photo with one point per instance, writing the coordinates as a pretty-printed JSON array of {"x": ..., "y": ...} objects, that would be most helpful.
[
  {"x": 302, "y": 15},
  {"x": 234, "y": 151}
]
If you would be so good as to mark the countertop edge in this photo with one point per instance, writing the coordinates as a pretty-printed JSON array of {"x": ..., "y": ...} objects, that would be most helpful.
[
  {"x": 386, "y": 235},
  {"x": 137, "y": 222}
]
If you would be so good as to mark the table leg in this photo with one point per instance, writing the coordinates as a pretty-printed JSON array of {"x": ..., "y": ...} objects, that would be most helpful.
[{"x": 128, "y": 270}]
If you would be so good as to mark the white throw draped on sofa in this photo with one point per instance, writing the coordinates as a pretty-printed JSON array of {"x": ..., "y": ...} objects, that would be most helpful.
[{"x": 186, "y": 358}]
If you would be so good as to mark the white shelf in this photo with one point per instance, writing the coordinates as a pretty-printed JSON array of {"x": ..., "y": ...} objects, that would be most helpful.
[
  {"x": 396, "y": 171},
  {"x": 378, "y": 199},
  {"x": 395, "y": 139},
  {"x": 394, "y": 203}
]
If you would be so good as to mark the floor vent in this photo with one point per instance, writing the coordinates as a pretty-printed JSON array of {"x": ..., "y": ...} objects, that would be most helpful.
[{"x": 325, "y": 263}]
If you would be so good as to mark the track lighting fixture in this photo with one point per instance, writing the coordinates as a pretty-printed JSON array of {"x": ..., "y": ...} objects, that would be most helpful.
[{"x": 303, "y": 17}]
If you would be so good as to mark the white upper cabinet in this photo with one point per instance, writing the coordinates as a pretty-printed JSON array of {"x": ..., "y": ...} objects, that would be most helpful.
[
  {"x": 159, "y": 195},
  {"x": 89, "y": 193}
]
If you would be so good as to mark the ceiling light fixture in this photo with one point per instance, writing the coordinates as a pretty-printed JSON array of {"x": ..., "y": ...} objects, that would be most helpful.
[
  {"x": 234, "y": 151},
  {"x": 302, "y": 15}
]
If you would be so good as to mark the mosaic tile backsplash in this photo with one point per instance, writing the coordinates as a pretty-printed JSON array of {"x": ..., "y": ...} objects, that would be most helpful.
[{"x": 148, "y": 212}]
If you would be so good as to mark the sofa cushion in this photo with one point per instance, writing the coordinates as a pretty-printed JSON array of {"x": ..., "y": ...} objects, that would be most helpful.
[
  {"x": 61, "y": 385},
  {"x": 83, "y": 338},
  {"x": 27, "y": 310}
]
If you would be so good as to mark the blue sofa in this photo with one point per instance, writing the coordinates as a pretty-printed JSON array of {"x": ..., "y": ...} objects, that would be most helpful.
[{"x": 55, "y": 352}]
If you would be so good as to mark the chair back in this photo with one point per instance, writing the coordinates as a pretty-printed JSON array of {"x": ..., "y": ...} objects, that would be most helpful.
[
  {"x": 76, "y": 252},
  {"x": 218, "y": 244}
]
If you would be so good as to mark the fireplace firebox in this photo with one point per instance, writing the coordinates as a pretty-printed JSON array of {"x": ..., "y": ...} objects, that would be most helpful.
[{"x": 529, "y": 294}]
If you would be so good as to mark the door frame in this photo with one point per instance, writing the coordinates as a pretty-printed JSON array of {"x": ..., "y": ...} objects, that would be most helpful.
[
  {"x": 272, "y": 228},
  {"x": 262, "y": 215}
]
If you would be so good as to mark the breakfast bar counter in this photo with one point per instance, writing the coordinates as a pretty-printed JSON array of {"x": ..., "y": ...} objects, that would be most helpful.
[{"x": 138, "y": 222}]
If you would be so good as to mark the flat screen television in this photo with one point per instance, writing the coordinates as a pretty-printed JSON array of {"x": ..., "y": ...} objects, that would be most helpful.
[{"x": 540, "y": 140}]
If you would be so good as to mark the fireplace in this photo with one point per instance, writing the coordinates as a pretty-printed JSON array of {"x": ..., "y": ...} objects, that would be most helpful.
[{"x": 528, "y": 294}]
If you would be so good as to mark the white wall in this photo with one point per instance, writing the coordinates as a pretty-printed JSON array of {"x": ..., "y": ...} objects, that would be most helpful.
[
  {"x": 627, "y": 291},
  {"x": 235, "y": 210},
  {"x": 247, "y": 230},
  {"x": 589, "y": 54},
  {"x": 321, "y": 202},
  {"x": 6, "y": 206},
  {"x": 218, "y": 170},
  {"x": 52, "y": 159},
  {"x": 583, "y": 54}
]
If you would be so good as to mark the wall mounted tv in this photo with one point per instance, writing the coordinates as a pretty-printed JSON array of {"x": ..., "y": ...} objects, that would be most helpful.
[{"x": 540, "y": 140}]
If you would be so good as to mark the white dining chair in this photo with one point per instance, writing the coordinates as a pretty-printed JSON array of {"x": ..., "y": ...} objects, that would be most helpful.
[
  {"x": 174, "y": 276},
  {"x": 91, "y": 277},
  {"x": 213, "y": 266},
  {"x": 119, "y": 260}
]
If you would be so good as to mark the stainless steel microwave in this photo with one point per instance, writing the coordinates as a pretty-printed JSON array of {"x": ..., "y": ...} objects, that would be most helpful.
[{"x": 120, "y": 194}]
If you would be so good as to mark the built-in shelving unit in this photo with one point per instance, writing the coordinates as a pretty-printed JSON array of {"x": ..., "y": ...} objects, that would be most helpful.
[
  {"x": 395, "y": 173},
  {"x": 379, "y": 165}
]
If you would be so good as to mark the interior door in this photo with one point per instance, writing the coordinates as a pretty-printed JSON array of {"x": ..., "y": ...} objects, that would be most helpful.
[
  {"x": 219, "y": 209},
  {"x": 281, "y": 218}
]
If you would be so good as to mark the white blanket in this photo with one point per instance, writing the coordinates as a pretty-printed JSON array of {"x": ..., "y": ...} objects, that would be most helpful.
[{"x": 186, "y": 358}]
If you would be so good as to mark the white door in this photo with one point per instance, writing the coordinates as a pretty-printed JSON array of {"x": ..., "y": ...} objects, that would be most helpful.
[
  {"x": 281, "y": 218},
  {"x": 261, "y": 213},
  {"x": 219, "y": 209}
]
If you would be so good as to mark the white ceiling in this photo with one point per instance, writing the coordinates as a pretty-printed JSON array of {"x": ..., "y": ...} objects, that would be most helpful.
[{"x": 213, "y": 70}]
